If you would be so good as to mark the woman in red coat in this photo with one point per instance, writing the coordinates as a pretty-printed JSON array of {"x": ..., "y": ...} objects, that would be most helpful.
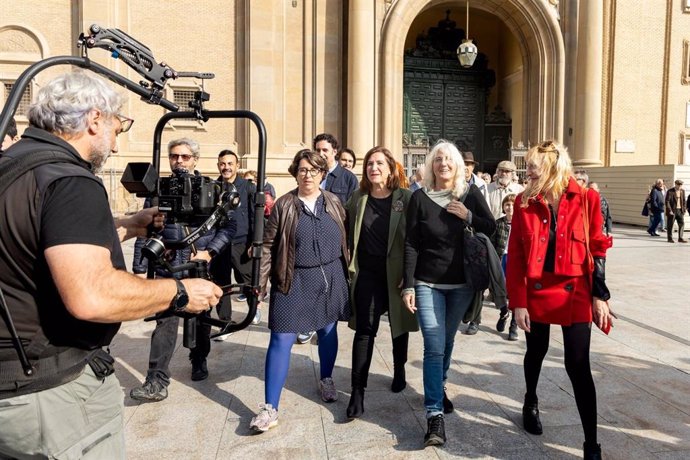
[{"x": 552, "y": 278}]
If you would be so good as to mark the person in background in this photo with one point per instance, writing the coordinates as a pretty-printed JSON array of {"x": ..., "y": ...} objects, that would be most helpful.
[
  {"x": 305, "y": 256},
  {"x": 400, "y": 171},
  {"x": 347, "y": 159},
  {"x": 605, "y": 209},
  {"x": 551, "y": 279},
  {"x": 500, "y": 241},
  {"x": 10, "y": 137},
  {"x": 486, "y": 177},
  {"x": 656, "y": 207},
  {"x": 269, "y": 191},
  {"x": 434, "y": 282},
  {"x": 376, "y": 236},
  {"x": 502, "y": 187},
  {"x": 675, "y": 210},
  {"x": 418, "y": 178}
]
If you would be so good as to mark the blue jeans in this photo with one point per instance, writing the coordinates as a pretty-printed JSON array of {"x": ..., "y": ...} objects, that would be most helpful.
[{"x": 439, "y": 312}]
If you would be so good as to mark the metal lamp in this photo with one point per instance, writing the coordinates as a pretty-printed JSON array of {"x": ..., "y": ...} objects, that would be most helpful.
[{"x": 467, "y": 51}]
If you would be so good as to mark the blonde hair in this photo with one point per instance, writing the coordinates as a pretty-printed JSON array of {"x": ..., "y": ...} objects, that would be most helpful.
[
  {"x": 555, "y": 169},
  {"x": 449, "y": 149}
]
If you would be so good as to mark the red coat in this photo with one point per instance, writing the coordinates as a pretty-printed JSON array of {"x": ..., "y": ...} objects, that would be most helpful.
[{"x": 564, "y": 296}]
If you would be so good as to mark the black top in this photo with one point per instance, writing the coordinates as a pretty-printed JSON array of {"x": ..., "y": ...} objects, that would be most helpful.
[
  {"x": 373, "y": 237},
  {"x": 52, "y": 205},
  {"x": 434, "y": 242},
  {"x": 550, "y": 258}
]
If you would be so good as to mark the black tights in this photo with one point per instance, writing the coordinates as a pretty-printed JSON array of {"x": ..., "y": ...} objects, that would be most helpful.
[{"x": 576, "y": 340}]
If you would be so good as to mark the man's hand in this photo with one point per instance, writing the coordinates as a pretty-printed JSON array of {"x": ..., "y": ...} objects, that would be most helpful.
[
  {"x": 521, "y": 316},
  {"x": 202, "y": 294},
  {"x": 137, "y": 224},
  {"x": 202, "y": 255}
]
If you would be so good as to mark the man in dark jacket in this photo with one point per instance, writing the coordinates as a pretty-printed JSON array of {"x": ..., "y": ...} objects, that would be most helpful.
[
  {"x": 339, "y": 180},
  {"x": 656, "y": 207},
  {"x": 183, "y": 155},
  {"x": 675, "y": 210}
]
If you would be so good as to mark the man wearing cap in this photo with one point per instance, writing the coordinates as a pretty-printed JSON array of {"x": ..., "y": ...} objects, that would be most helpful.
[
  {"x": 503, "y": 186},
  {"x": 470, "y": 176},
  {"x": 675, "y": 209}
]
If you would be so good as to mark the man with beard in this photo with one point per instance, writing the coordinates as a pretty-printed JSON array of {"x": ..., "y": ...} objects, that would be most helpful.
[
  {"x": 63, "y": 279},
  {"x": 183, "y": 155},
  {"x": 503, "y": 186}
]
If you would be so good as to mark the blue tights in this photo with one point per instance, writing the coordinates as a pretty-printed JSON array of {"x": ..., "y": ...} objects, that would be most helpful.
[{"x": 278, "y": 359}]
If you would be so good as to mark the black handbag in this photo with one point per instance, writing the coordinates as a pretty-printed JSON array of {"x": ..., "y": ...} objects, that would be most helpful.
[{"x": 475, "y": 257}]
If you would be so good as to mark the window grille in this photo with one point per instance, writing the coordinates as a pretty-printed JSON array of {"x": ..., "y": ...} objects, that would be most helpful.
[{"x": 24, "y": 102}]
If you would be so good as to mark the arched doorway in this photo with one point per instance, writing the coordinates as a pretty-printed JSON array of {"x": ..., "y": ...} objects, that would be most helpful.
[{"x": 538, "y": 38}]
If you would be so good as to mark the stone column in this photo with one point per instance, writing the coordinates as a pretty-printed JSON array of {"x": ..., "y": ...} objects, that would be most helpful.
[
  {"x": 361, "y": 76},
  {"x": 587, "y": 151}
]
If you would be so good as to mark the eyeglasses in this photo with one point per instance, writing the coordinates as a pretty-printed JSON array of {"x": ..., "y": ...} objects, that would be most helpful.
[
  {"x": 125, "y": 123},
  {"x": 302, "y": 172},
  {"x": 181, "y": 156}
]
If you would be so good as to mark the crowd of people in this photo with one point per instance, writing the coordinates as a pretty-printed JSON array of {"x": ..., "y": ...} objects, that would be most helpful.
[
  {"x": 335, "y": 248},
  {"x": 666, "y": 207}
]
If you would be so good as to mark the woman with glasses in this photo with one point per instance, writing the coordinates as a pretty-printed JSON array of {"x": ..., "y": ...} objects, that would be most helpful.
[
  {"x": 435, "y": 286},
  {"x": 305, "y": 255},
  {"x": 555, "y": 275},
  {"x": 376, "y": 217}
]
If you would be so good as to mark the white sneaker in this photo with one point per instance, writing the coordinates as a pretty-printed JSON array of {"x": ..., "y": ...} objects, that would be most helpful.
[
  {"x": 222, "y": 338},
  {"x": 257, "y": 317},
  {"x": 305, "y": 337},
  {"x": 264, "y": 420}
]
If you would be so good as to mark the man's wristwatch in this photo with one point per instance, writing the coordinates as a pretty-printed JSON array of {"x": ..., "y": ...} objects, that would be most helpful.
[{"x": 181, "y": 299}]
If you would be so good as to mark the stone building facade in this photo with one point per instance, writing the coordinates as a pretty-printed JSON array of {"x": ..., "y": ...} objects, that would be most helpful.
[{"x": 609, "y": 78}]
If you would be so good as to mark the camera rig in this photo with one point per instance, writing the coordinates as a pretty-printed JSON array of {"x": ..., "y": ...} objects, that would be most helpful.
[{"x": 143, "y": 179}]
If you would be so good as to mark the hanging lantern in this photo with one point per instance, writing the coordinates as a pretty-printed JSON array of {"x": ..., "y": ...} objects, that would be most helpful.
[{"x": 467, "y": 53}]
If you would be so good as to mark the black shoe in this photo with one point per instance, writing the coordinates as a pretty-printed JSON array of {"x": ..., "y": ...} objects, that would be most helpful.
[
  {"x": 670, "y": 240},
  {"x": 681, "y": 240},
  {"x": 530, "y": 417},
  {"x": 502, "y": 320},
  {"x": 199, "y": 369},
  {"x": 356, "y": 407},
  {"x": 472, "y": 328},
  {"x": 436, "y": 431},
  {"x": 512, "y": 331},
  {"x": 447, "y": 404},
  {"x": 591, "y": 453},
  {"x": 151, "y": 391},
  {"x": 399, "y": 382}
]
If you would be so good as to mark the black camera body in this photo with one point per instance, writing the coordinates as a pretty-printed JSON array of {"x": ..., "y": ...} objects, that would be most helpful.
[{"x": 188, "y": 198}]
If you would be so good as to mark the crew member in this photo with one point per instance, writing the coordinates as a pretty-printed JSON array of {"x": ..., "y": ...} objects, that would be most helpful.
[{"x": 63, "y": 277}]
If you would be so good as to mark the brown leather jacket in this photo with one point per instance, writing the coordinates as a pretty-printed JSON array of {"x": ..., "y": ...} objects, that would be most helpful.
[{"x": 278, "y": 256}]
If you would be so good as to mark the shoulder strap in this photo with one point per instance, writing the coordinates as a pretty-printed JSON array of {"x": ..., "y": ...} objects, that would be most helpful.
[
  {"x": 12, "y": 169},
  {"x": 585, "y": 220}
]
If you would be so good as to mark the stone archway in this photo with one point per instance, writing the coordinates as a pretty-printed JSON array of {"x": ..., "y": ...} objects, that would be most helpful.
[{"x": 543, "y": 55}]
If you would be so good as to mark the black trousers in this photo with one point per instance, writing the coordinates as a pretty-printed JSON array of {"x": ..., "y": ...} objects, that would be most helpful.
[
  {"x": 678, "y": 217},
  {"x": 371, "y": 301}
]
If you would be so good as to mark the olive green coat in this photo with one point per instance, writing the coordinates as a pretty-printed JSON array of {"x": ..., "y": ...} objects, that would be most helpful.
[{"x": 401, "y": 320}]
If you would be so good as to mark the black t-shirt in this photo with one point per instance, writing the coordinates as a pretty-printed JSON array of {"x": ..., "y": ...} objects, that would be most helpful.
[{"x": 373, "y": 237}]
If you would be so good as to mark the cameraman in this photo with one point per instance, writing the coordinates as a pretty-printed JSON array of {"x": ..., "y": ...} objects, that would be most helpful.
[
  {"x": 183, "y": 155},
  {"x": 63, "y": 277}
]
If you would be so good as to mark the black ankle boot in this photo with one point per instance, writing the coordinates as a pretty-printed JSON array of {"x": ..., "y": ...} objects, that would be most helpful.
[
  {"x": 530, "y": 417},
  {"x": 447, "y": 404},
  {"x": 591, "y": 452},
  {"x": 356, "y": 407},
  {"x": 399, "y": 382}
]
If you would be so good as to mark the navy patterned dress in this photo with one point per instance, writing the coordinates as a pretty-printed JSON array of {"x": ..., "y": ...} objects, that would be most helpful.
[{"x": 319, "y": 293}]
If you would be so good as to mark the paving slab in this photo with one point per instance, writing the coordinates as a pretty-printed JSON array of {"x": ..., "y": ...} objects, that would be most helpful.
[{"x": 642, "y": 373}]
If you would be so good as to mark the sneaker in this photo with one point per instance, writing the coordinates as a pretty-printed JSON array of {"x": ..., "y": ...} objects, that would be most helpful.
[
  {"x": 305, "y": 337},
  {"x": 472, "y": 328},
  {"x": 265, "y": 420},
  {"x": 448, "y": 407},
  {"x": 436, "y": 431},
  {"x": 242, "y": 298},
  {"x": 151, "y": 390},
  {"x": 222, "y": 338},
  {"x": 199, "y": 369},
  {"x": 502, "y": 320},
  {"x": 328, "y": 391},
  {"x": 257, "y": 317}
]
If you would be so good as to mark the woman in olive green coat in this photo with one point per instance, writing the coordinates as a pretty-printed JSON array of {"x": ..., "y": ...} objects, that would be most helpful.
[{"x": 376, "y": 233}]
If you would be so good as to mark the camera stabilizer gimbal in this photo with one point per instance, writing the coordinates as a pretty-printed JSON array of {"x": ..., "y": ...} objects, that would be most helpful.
[{"x": 142, "y": 179}]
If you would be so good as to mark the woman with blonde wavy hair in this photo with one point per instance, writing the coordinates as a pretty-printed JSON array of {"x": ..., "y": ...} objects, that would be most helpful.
[
  {"x": 434, "y": 280},
  {"x": 555, "y": 275}
]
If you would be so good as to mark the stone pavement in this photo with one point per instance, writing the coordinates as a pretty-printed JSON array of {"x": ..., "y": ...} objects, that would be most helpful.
[{"x": 642, "y": 373}]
